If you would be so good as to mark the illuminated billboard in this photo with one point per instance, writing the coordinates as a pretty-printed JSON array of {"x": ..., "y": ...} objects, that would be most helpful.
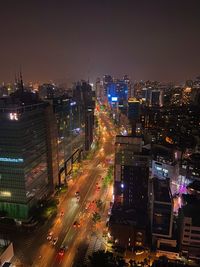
[{"x": 114, "y": 99}]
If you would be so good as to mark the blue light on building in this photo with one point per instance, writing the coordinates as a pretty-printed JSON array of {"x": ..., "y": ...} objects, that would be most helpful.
[
  {"x": 11, "y": 160},
  {"x": 117, "y": 92},
  {"x": 114, "y": 99},
  {"x": 73, "y": 103}
]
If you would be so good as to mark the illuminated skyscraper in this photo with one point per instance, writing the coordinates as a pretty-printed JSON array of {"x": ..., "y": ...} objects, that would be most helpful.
[{"x": 25, "y": 176}]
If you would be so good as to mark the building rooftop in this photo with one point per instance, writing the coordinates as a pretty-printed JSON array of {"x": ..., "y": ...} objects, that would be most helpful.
[
  {"x": 25, "y": 103},
  {"x": 192, "y": 209},
  {"x": 20, "y": 97},
  {"x": 162, "y": 191},
  {"x": 162, "y": 150},
  {"x": 194, "y": 186},
  {"x": 127, "y": 217}
]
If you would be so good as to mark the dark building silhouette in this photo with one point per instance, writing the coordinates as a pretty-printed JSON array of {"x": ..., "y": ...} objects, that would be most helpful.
[{"x": 84, "y": 95}]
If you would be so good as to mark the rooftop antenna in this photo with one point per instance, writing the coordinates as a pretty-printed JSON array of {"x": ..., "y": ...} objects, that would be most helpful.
[
  {"x": 89, "y": 61},
  {"x": 15, "y": 78},
  {"x": 16, "y": 81},
  {"x": 21, "y": 80}
]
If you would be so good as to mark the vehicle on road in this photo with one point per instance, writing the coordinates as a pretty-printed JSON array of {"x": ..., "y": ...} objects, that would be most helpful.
[
  {"x": 62, "y": 250},
  {"x": 98, "y": 188},
  {"x": 77, "y": 194},
  {"x": 139, "y": 252},
  {"x": 88, "y": 205},
  {"x": 76, "y": 224},
  {"x": 50, "y": 236},
  {"x": 55, "y": 240}
]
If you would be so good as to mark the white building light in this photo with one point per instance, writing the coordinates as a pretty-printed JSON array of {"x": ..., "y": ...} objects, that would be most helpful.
[
  {"x": 5, "y": 194},
  {"x": 13, "y": 116}
]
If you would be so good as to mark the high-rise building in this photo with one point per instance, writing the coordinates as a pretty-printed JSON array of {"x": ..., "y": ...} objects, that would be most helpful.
[
  {"x": 131, "y": 172},
  {"x": 117, "y": 92},
  {"x": 24, "y": 164},
  {"x": 69, "y": 121},
  {"x": 163, "y": 228},
  {"x": 155, "y": 98},
  {"x": 89, "y": 127},
  {"x": 134, "y": 108},
  {"x": 190, "y": 168},
  {"x": 99, "y": 90},
  {"x": 107, "y": 79},
  {"x": 165, "y": 163},
  {"x": 51, "y": 90},
  {"x": 129, "y": 86},
  {"x": 4, "y": 91},
  {"x": 190, "y": 228},
  {"x": 84, "y": 96},
  {"x": 161, "y": 209},
  {"x": 129, "y": 217},
  {"x": 47, "y": 90}
]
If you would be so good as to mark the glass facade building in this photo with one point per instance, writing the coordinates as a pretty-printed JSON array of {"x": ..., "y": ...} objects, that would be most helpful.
[
  {"x": 23, "y": 158},
  {"x": 70, "y": 123}
]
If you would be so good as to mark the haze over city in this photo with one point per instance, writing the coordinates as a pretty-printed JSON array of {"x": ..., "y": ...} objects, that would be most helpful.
[
  {"x": 99, "y": 133},
  {"x": 68, "y": 40}
]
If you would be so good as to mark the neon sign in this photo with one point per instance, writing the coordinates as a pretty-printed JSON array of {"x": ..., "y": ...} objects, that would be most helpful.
[
  {"x": 13, "y": 116},
  {"x": 11, "y": 160}
]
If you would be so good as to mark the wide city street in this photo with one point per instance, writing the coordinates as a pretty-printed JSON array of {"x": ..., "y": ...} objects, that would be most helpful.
[{"x": 73, "y": 227}]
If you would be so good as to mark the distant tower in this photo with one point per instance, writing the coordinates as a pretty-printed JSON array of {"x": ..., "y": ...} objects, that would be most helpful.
[
  {"x": 133, "y": 113},
  {"x": 21, "y": 81}
]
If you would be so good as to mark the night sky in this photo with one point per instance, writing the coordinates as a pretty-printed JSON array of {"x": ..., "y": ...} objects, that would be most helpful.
[{"x": 71, "y": 40}]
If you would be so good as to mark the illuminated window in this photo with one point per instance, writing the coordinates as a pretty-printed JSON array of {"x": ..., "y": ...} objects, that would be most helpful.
[{"x": 5, "y": 194}]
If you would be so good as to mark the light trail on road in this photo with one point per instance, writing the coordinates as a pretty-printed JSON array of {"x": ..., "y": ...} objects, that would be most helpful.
[{"x": 62, "y": 227}]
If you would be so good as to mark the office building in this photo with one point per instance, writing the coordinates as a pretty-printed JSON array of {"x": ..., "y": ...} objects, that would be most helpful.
[
  {"x": 161, "y": 211},
  {"x": 134, "y": 110},
  {"x": 117, "y": 93},
  {"x": 4, "y": 91},
  {"x": 190, "y": 228},
  {"x": 99, "y": 90},
  {"x": 51, "y": 90},
  {"x": 190, "y": 168},
  {"x": 107, "y": 79},
  {"x": 131, "y": 172},
  {"x": 134, "y": 107},
  {"x": 84, "y": 96},
  {"x": 129, "y": 216},
  {"x": 130, "y": 87},
  {"x": 163, "y": 228},
  {"x": 24, "y": 178},
  {"x": 165, "y": 163},
  {"x": 155, "y": 98},
  {"x": 70, "y": 127}
]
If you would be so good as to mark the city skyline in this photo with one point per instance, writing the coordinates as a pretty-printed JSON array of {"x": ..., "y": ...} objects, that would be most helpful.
[
  {"x": 100, "y": 133},
  {"x": 69, "y": 41}
]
